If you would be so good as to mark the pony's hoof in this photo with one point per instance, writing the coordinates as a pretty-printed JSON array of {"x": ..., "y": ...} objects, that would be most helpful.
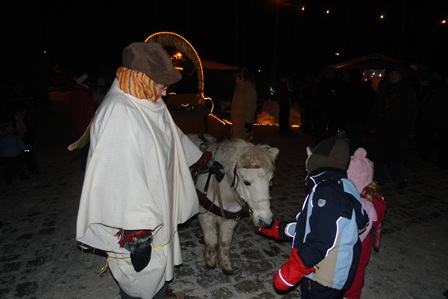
[
  {"x": 210, "y": 267},
  {"x": 227, "y": 272}
]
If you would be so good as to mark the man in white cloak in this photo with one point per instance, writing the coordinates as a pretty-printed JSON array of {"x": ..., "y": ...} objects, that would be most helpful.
[{"x": 137, "y": 185}]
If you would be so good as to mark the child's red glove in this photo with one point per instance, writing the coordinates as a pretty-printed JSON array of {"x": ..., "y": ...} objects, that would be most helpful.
[
  {"x": 291, "y": 272},
  {"x": 271, "y": 231}
]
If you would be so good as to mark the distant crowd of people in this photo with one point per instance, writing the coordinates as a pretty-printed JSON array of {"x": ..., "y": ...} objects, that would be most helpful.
[
  {"x": 19, "y": 125},
  {"x": 406, "y": 107}
]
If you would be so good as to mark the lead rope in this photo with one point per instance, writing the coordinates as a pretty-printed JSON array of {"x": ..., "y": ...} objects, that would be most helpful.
[
  {"x": 240, "y": 201},
  {"x": 234, "y": 184},
  {"x": 218, "y": 194}
]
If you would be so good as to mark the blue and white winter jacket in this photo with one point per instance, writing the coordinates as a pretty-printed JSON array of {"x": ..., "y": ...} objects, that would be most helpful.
[{"x": 327, "y": 228}]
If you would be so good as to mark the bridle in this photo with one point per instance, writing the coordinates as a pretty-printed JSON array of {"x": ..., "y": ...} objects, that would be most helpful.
[
  {"x": 219, "y": 210},
  {"x": 240, "y": 200}
]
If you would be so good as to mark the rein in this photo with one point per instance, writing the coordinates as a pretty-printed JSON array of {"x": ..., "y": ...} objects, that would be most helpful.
[{"x": 236, "y": 195}]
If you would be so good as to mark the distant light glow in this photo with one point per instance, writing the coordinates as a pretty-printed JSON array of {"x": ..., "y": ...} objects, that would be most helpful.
[
  {"x": 371, "y": 73},
  {"x": 328, "y": 11},
  {"x": 443, "y": 22},
  {"x": 337, "y": 53},
  {"x": 213, "y": 105},
  {"x": 303, "y": 8},
  {"x": 222, "y": 121},
  {"x": 381, "y": 16}
]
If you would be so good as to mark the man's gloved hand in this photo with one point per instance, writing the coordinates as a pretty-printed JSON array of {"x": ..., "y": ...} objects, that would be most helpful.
[
  {"x": 203, "y": 164},
  {"x": 215, "y": 169},
  {"x": 271, "y": 231},
  {"x": 139, "y": 244},
  {"x": 206, "y": 164},
  {"x": 248, "y": 127},
  {"x": 291, "y": 272}
]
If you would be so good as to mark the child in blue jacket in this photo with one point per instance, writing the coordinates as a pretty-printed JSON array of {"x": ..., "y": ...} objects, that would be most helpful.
[{"x": 326, "y": 247}]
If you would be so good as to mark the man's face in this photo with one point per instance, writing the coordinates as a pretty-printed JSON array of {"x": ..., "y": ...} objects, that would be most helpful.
[
  {"x": 161, "y": 90},
  {"x": 395, "y": 76},
  {"x": 238, "y": 80}
]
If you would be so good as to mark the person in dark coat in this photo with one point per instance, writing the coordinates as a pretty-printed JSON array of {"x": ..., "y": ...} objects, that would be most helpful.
[
  {"x": 357, "y": 102},
  {"x": 11, "y": 149},
  {"x": 392, "y": 121},
  {"x": 434, "y": 117},
  {"x": 80, "y": 111},
  {"x": 325, "y": 103},
  {"x": 27, "y": 128}
]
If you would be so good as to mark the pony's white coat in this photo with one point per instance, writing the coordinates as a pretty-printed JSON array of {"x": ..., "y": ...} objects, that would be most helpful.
[{"x": 250, "y": 167}]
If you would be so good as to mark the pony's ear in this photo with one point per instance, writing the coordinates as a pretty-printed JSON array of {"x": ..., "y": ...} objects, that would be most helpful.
[
  {"x": 273, "y": 151},
  {"x": 209, "y": 138},
  {"x": 309, "y": 151}
]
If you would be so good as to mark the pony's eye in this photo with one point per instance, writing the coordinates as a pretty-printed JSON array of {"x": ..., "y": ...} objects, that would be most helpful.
[{"x": 247, "y": 183}]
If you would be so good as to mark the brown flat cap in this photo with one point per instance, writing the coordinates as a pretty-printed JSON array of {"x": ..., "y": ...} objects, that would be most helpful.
[{"x": 153, "y": 60}]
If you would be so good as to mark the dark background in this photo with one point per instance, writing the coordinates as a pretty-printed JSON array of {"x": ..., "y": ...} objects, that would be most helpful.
[
  {"x": 252, "y": 32},
  {"x": 269, "y": 35}
]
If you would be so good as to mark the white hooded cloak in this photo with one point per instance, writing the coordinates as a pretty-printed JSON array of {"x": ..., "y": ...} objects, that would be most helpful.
[{"x": 137, "y": 178}]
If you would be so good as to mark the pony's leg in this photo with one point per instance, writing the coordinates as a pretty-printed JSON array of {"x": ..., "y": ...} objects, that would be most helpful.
[
  {"x": 226, "y": 229},
  {"x": 208, "y": 224}
]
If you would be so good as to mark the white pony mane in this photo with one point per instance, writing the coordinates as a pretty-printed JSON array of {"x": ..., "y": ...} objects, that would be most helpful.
[
  {"x": 253, "y": 156},
  {"x": 247, "y": 154},
  {"x": 257, "y": 155}
]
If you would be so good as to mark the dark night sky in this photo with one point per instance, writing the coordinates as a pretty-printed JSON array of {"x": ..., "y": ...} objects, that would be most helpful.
[{"x": 250, "y": 32}]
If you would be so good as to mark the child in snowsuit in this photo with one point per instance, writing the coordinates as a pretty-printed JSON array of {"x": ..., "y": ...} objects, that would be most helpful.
[
  {"x": 360, "y": 172},
  {"x": 326, "y": 246},
  {"x": 11, "y": 152}
]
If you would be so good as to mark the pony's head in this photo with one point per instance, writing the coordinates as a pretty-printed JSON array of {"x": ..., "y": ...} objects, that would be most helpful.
[{"x": 252, "y": 178}]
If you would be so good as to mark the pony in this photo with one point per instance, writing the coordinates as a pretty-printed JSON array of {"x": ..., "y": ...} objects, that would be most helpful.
[{"x": 244, "y": 188}]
